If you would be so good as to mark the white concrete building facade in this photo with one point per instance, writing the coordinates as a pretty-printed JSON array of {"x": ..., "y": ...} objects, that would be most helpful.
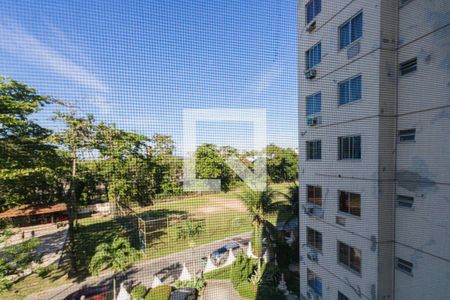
[{"x": 374, "y": 145}]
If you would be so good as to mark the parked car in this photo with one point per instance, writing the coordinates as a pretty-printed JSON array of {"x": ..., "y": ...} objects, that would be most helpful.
[
  {"x": 184, "y": 294},
  {"x": 218, "y": 255}
]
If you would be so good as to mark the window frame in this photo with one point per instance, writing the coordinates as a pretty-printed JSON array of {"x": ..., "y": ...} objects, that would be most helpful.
[
  {"x": 406, "y": 266},
  {"x": 315, "y": 188},
  {"x": 350, "y": 250},
  {"x": 316, "y": 278},
  {"x": 307, "y": 61},
  {"x": 412, "y": 202},
  {"x": 349, "y": 81},
  {"x": 348, "y": 21},
  {"x": 316, "y": 113},
  {"x": 402, "y": 73},
  {"x": 406, "y": 133},
  {"x": 317, "y": 235},
  {"x": 349, "y": 203},
  {"x": 341, "y": 296},
  {"x": 315, "y": 14},
  {"x": 319, "y": 152},
  {"x": 350, "y": 149}
]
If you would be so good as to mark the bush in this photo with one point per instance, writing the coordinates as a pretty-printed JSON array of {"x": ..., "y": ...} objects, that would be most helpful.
[
  {"x": 269, "y": 292},
  {"x": 196, "y": 283},
  {"x": 190, "y": 229},
  {"x": 44, "y": 271},
  {"x": 138, "y": 292},
  {"x": 161, "y": 292},
  {"x": 221, "y": 273},
  {"x": 242, "y": 268}
]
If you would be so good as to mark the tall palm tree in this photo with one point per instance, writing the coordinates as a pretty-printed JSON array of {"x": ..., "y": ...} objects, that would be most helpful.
[
  {"x": 292, "y": 197},
  {"x": 259, "y": 205}
]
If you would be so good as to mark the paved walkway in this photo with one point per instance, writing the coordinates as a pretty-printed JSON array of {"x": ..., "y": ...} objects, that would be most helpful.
[
  {"x": 143, "y": 272},
  {"x": 220, "y": 289}
]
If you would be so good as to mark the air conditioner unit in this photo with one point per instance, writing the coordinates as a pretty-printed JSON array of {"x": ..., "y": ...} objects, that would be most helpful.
[
  {"x": 340, "y": 220},
  {"x": 308, "y": 208},
  {"x": 311, "y": 27},
  {"x": 313, "y": 121},
  {"x": 313, "y": 256},
  {"x": 310, "y": 73}
]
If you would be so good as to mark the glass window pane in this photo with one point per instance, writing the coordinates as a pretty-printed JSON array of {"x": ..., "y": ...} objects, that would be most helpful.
[
  {"x": 309, "y": 11},
  {"x": 344, "y": 35},
  {"x": 355, "y": 88},
  {"x": 355, "y": 204},
  {"x": 345, "y": 148},
  {"x": 317, "y": 103},
  {"x": 309, "y": 105},
  {"x": 343, "y": 92},
  {"x": 343, "y": 253},
  {"x": 356, "y": 27},
  {"x": 343, "y": 202},
  {"x": 357, "y": 147},
  {"x": 355, "y": 259},
  {"x": 317, "y": 7}
]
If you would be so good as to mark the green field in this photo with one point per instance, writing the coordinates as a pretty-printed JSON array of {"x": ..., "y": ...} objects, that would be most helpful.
[{"x": 222, "y": 214}]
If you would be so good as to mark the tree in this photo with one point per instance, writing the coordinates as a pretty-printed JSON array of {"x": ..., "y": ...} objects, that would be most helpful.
[
  {"x": 28, "y": 163},
  {"x": 126, "y": 165},
  {"x": 292, "y": 197},
  {"x": 259, "y": 205},
  {"x": 210, "y": 164},
  {"x": 77, "y": 137},
  {"x": 282, "y": 163},
  {"x": 167, "y": 166},
  {"x": 118, "y": 255}
]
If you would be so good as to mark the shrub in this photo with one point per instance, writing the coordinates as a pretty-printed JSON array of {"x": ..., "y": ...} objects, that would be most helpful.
[
  {"x": 44, "y": 271},
  {"x": 269, "y": 292},
  {"x": 242, "y": 268},
  {"x": 221, "y": 273},
  {"x": 271, "y": 275},
  {"x": 196, "y": 283},
  {"x": 190, "y": 229},
  {"x": 138, "y": 292},
  {"x": 161, "y": 292}
]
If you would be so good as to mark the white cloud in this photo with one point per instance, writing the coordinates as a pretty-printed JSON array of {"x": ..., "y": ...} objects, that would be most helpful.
[{"x": 15, "y": 40}]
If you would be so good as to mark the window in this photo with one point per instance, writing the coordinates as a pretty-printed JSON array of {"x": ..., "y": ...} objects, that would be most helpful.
[
  {"x": 313, "y": 8},
  {"x": 314, "y": 239},
  {"x": 407, "y": 135},
  {"x": 313, "y": 104},
  {"x": 349, "y": 256},
  {"x": 350, "y": 90},
  {"x": 342, "y": 296},
  {"x": 313, "y": 150},
  {"x": 405, "y": 201},
  {"x": 408, "y": 66},
  {"x": 314, "y": 282},
  {"x": 404, "y": 266},
  {"x": 350, "y": 31},
  {"x": 313, "y": 56},
  {"x": 349, "y": 147},
  {"x": 350, "y": 203},
  {"x": 314, "y": 195}
]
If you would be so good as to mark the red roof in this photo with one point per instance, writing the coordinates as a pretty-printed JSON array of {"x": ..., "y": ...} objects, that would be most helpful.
[{"x": 28, "y": 210}]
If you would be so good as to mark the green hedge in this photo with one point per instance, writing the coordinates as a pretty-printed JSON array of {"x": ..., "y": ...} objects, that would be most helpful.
[
  {"x": 138, "y": 292},
  {"x": 161, "y": 292},
  {"x": 222, "y": 273}
]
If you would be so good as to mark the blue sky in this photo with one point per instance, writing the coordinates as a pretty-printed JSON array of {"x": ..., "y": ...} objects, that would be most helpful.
[{"x": 140, "y": 63}]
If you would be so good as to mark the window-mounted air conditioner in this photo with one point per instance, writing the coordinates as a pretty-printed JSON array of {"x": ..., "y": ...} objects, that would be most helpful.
[
  {"x": 313, "y": 121},
  {"x": 311, "y": 27},
  {"x": 310, "y": 73}
]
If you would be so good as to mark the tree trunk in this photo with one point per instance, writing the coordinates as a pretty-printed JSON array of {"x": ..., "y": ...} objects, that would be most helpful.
[
  {"x": 72, "y": 216},
  {"x": 257, "y": 237}
]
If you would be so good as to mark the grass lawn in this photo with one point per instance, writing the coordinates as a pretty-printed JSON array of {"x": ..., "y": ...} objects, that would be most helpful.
[{"x": 222, "y": 214}]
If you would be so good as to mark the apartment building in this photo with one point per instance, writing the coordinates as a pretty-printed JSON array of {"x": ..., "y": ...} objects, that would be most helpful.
[{"x": 374, "y": 144}]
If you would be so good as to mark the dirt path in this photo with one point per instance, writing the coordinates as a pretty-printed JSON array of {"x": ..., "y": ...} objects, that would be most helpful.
[
  {"x": 220, "y": 289},
  {"x": 218, "y": 204}
]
